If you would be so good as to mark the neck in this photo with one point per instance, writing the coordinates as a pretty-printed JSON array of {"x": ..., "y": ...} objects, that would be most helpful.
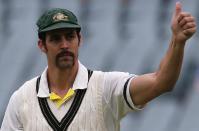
[{"x": 61, "y": 80}]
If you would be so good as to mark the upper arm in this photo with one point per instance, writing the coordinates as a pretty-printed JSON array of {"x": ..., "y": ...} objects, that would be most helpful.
[
  {"x": 143, "y": 88},
  {"x": 11, "y": 121}
]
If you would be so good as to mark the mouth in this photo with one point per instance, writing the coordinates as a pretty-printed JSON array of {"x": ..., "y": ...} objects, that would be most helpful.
[
  {"x": 65, "y": 59},
  {"x": 65, "y": 56},
  {"x": 64, "y": 53}
]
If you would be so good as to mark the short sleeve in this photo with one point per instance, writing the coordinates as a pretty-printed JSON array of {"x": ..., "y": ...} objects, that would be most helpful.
[
  {"x": 116, "y": 93},
  {"x": 127, "y": 95},
  {"x": 11, "y": 120}
]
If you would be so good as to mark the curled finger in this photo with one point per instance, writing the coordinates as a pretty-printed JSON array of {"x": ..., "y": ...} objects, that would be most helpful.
[
  {"x": 189, "y": 25},
  {"x": 185, "y": 20},
  {"x": 189, "y": 31}
]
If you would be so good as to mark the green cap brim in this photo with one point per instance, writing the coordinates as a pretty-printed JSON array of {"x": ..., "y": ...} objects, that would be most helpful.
[{"x": 60, "y": 26}]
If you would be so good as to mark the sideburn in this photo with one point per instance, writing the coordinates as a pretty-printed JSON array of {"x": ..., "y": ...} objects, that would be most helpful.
[
  {"x": 79, "y": 37},
  {"x": 44, "y": 44}
]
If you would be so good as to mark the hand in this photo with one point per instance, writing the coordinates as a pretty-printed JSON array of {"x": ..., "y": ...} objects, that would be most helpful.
[{"x": 183, "y": 24}]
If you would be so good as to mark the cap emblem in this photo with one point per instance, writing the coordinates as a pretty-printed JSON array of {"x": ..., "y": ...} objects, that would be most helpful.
[{"x": 60, "y": 17}]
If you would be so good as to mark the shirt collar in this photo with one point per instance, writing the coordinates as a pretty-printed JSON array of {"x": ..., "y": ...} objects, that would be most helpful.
[{"x": 81, "y": 81}]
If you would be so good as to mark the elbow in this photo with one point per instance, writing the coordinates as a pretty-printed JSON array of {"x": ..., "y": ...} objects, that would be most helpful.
[
  {"x": 169, "y": 86},
  {"x": 161, "y": 89},
  {"x": 165, "y": 86}
]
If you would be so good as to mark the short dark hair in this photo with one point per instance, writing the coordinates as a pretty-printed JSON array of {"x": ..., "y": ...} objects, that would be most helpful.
[{"x": 42, "y": 36}]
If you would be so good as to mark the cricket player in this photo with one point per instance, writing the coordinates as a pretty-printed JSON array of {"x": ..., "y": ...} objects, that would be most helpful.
[{"x": 68, "y": 96}]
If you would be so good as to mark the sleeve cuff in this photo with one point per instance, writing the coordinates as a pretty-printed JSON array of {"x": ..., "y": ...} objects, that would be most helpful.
[{"x": 127, "y": 95}]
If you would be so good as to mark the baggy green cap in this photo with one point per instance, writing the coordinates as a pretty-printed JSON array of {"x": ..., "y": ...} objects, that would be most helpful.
[{"x": 57, "y": 18}]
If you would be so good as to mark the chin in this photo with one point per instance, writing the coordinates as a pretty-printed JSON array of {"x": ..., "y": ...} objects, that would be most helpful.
[{"x": 65, "y": 65}]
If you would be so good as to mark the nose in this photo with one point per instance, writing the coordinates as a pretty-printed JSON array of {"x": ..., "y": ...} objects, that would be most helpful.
[{"x": 65, "y": 43}]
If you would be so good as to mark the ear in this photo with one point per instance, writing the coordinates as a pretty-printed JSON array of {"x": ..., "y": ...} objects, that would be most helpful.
[
  {"x": 80, "y": 39},
  {"x": 41, "y": 46}
]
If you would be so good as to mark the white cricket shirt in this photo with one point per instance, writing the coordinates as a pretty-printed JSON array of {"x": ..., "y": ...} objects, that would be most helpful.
[{"x": 104, "y": 104}]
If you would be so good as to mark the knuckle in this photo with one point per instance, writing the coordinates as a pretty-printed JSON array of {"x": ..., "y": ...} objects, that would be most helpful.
[{"x": 193, "y": 18}]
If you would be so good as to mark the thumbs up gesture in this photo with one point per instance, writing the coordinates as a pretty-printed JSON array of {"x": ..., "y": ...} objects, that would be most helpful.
[{"x": 183, "y": 24}]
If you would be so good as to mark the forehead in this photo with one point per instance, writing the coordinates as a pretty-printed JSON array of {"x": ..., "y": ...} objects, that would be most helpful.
[{"x": 61, "y": 31}]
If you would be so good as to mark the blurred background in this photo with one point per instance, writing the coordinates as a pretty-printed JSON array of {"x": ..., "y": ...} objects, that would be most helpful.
[{"x": 123, "y": 35}]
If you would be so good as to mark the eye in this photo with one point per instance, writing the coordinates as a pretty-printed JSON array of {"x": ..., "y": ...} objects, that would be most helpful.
[
  {"x": 70, "y": 36},
  {"x": 55, "y": 38}
]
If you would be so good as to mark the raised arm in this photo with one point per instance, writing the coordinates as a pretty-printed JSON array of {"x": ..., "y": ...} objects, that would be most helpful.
[{"x": 148, "y": 86}]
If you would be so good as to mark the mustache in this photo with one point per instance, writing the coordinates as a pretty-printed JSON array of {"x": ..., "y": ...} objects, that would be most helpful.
[{"x": 65, "y": 53}]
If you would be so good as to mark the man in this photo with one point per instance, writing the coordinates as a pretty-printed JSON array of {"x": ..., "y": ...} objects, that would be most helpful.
[{"x": 67, "y": 96}]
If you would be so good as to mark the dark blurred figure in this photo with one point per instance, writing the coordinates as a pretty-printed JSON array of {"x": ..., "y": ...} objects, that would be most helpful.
[
  {"x": 162, "y": 19},
  {"x": 123, "y": 19},
  {"x": 85, "y": 12},
  {"x": 6, "y": 16},
  {"x": 182, "y": 93},
  {"x": 123, "y": 34},
  {"x": 197, "y": 16},
  {"x": 185, "y": 83}
]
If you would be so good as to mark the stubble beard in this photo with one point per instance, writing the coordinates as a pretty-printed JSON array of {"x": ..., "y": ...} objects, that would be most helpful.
[
  {"x": 65, "y": 60},
  {"x": 62, "y": 63}
]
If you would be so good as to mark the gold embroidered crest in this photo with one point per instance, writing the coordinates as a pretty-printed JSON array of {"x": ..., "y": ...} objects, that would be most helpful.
[{"x": 60, "y": 16}]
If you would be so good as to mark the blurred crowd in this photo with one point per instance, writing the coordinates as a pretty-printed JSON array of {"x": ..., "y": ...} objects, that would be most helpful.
[{"x": 125, "y": 35}]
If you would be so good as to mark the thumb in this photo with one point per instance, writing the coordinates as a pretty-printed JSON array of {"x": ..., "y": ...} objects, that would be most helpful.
[{"x": 178, "y": 9}]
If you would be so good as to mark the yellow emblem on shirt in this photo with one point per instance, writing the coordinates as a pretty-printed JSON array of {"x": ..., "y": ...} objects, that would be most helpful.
[{"x": 59, "y": 101}]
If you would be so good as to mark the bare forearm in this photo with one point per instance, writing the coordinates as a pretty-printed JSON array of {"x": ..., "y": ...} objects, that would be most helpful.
[
  {"x": 183, "y": 27},
  {"x": 148, "y": 86},
  {"x": 170, "y": 66}
]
